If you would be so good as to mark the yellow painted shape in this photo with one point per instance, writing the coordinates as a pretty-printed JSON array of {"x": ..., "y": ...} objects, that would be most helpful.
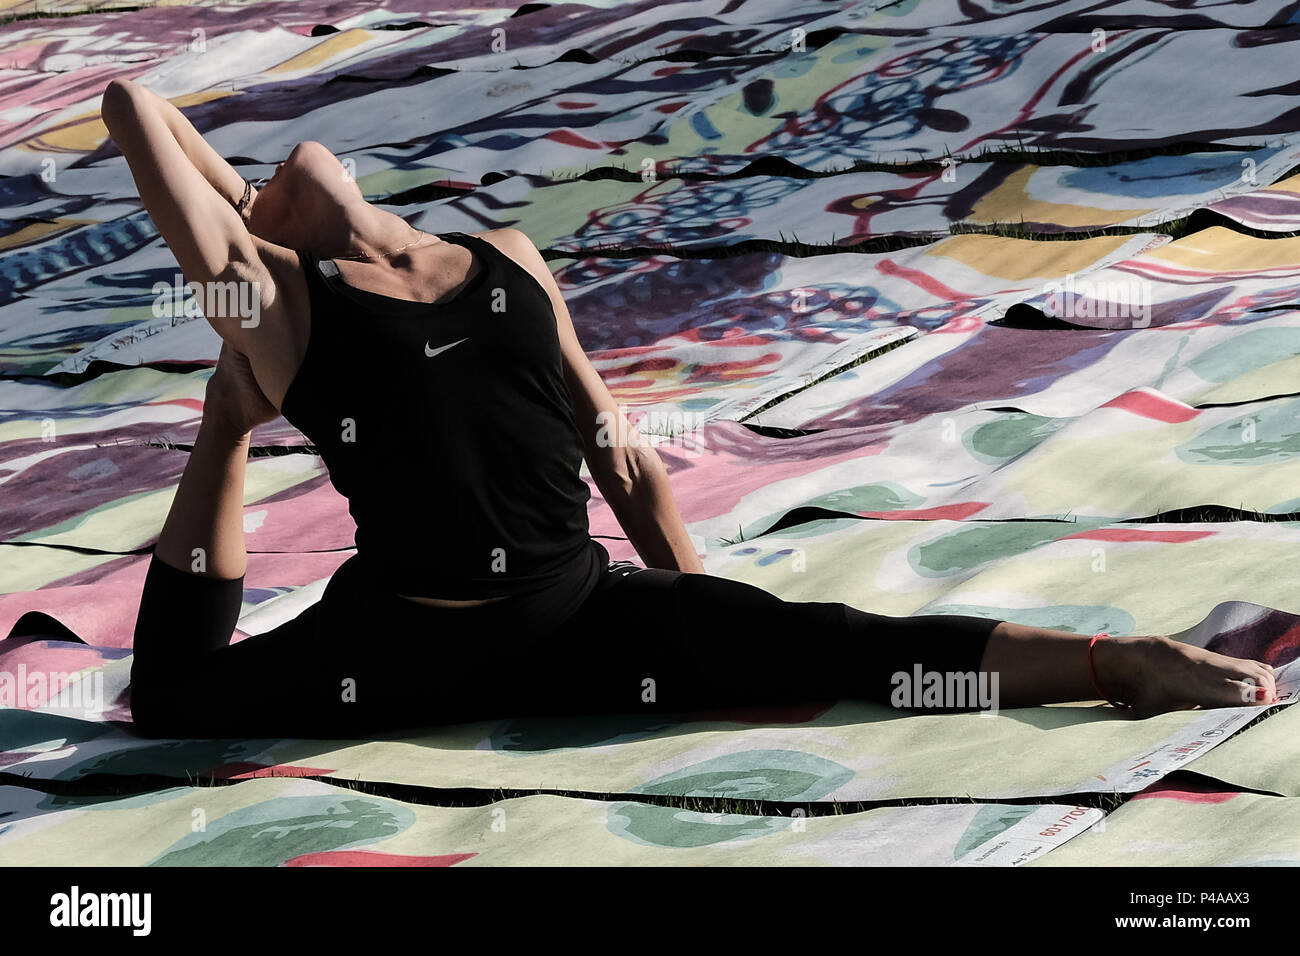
[
  {"x": 326, "y": 49},
  {"x": 1011, "y": 202},
  {"x": 1020, "y": 259},
  {"x": 85, "y": 133},
  {"x": 40, "y": 230},
  {"x": 1221, "y": 250}
]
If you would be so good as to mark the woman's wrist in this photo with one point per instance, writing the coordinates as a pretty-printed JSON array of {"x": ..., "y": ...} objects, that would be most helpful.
[
  {"x": 224, "y": 424},
  {"x": 243, "y": 203}
]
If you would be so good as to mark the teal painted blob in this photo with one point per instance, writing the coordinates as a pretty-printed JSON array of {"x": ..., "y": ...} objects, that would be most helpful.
[
  {"x": 1077, "y": 619},
  {"x": 1009, "y": 437},
  {"x": 1244, "y": 352},
  {"x": 811, "y": 529},
  {"x": 109, "y": 801},
  {"x": 269, "y": 833},
  {"x": 1267, "y": 436},
  {"x": 990, "y": 821},
  {"x": 670, "y": 827},
  {"x": 790, "y": 775},
  {"x": 879, "y": 496},
  {"x": 970, "y": 546},
  {"x": 172, "y": 758},
  {"x": 23, "y": 728}
]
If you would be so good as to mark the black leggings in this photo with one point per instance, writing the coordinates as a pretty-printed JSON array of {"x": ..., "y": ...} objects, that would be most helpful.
[{"x": 363, "y": 661}]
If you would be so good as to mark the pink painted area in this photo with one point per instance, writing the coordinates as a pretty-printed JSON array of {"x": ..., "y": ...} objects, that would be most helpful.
[
  {"x": 50, "y": 660},
  {"x": 725, "y": 461},
  {"x": 100, "y": 605},
  {"x": 963, "y": 323},
  {"x": 569, "y": 138},
  {"x": 194, "y": 404},
  {"x": 1186, "y": 793},
  {"x": 24, "y": 57},
  {"x": 310, "y": 516},
  {"x": 248, "y": 771},
  {"x": 1153, "y": 405},
  {"x": 1137, "y": 534},
  {"x": 375, "y": 858},
  {"x": 921, "y": 280},
  {"x": 954, "y": 512}
]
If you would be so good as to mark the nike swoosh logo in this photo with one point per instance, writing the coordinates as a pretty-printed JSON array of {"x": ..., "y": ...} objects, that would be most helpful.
[{"x": 441, "y": 348}]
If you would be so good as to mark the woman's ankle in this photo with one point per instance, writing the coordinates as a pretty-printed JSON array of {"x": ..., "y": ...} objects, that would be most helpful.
[{"x": 1122, "y": 665}]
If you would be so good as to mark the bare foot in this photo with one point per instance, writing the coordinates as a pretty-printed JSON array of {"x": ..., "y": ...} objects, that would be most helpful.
[{"x": 1154, "y": 674}]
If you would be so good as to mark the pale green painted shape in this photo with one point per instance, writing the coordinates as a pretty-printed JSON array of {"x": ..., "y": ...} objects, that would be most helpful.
[
  {"x": 1270, "y": 435},
  {"x": 671, "y": 827},
  {"x": 1244, "y": 352},
  {"x": 1010, "y": 436},
  {"x": 969, "y": 546},
  {"x": 268, "y": 834}
]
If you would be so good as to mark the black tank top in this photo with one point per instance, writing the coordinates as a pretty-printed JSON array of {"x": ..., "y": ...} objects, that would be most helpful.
[{"x": 450, "y": 430}]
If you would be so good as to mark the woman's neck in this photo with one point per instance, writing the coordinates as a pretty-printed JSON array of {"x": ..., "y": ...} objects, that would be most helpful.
[{"x": 363, "y": 232}]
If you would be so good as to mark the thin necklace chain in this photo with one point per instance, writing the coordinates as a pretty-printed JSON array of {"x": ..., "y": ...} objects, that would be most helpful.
[{"x": 385, "y": 255}]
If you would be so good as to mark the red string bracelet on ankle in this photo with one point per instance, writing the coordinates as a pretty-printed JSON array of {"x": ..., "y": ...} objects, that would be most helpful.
[{"x": 1092, "y": 672}]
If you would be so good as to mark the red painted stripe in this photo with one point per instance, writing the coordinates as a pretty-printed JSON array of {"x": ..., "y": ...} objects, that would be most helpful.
[
  {"x": 569, "y": 138},
  {"x": 374, "y": 858},
  {"x": 1137, "y": 534},
  {"x": 954, "y": 512},
  {"x": 248, "y": 771},
  {"x": 1154, "y": 406},
  {"x": 1186, "y": 793},
  {"x": 920, "y": 279}
]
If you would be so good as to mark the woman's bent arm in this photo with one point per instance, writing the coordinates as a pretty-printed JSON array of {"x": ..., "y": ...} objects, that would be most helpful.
[
  {"x": 194, "y": 215},
  {"x": 204, "y": 530}
]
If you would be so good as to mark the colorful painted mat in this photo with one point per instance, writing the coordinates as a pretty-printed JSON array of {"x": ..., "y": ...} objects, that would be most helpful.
[{"x": 285, "y": 822}]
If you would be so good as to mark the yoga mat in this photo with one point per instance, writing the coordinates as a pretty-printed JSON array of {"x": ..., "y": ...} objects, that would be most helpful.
[
  {"x": 279, "y": 822},
  {"x": 1214, "y": 275},
  {"x": 285, "y": 495},
  {"x": 1187, "y": 825},
  {"x": 970, "y": 365},
  {"x": 1080, "y": 17},
  {"x": 1266, "y": 757},
  {"x": 1271, "y": 208},
  {"x": 876, "y": 98},
  {"x": 1139, "y": 455},
  {"x": 1083, "y": 576},
  {"x": 672, "y": 212}
]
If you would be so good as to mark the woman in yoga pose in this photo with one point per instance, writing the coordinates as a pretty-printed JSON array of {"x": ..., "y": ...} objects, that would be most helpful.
[{"x": 440, "y": 378}]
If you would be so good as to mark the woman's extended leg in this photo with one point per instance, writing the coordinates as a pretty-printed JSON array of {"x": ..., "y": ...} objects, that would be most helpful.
[{"x": 672, "y": 641}]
